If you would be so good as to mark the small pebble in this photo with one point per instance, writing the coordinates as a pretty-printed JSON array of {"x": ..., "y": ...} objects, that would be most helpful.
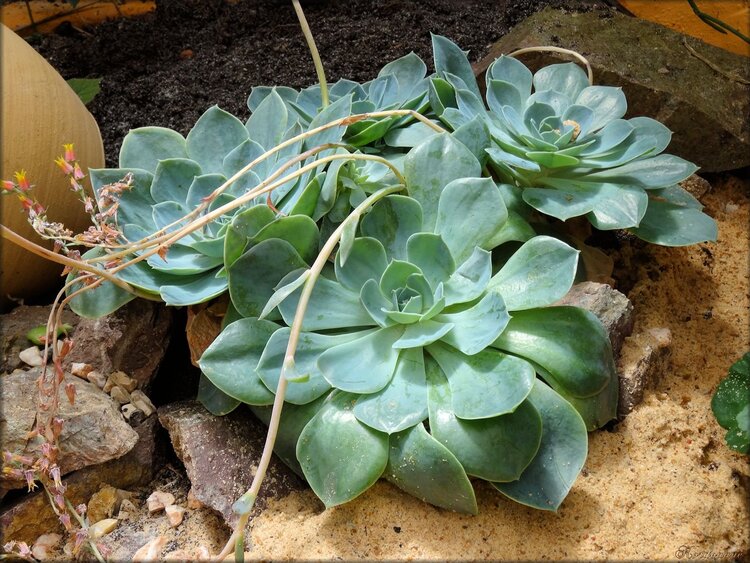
[
  {"x": 158, "y": 501},
  {"x": 127, "y": 510},
  {"x": 44, "y": 544},
  {"x": 132, "y": 413},
  {"x": 97, "y": 378},
  {"x": 192, "y": 502},
  {"x": 102, "y": 528},
  {"x": 186, "y": 54},
  {"x": 81, "y": 370},
  {"x": 151, "y": 550},
  {"x": 119, "y": 395},
  {"x": 31, "y": 356},
  {"x": 174, "y": 514},
  {"x": 180, "y": 555},
  {"x": 120, "y": 378},
  {"x": 142, "y": 402}
]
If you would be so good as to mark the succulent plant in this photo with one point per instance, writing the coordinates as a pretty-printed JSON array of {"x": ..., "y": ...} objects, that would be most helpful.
[
  {"x": 731, "y": 405},
  {"x": 565, "y": 147},
  {"x": 410, "y": 326}
]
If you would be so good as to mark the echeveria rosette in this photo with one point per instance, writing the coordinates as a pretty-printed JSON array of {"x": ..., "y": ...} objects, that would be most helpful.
[
  {"x": 410, "y": 325},
  {"x": 172, "y": 175},
  {"x": 565, "y": 145}
]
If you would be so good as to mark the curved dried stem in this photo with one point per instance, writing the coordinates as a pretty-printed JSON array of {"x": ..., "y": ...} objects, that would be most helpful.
[
  {"x": 583, "y": 60},
  {"x": 288, "y": 365},
  {"x": 319, "y": 70}
]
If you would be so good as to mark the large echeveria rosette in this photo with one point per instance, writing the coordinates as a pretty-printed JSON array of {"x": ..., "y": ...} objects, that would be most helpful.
[
  {"x": 568, "y": 150},
  {"x": 412, "y": 327}
]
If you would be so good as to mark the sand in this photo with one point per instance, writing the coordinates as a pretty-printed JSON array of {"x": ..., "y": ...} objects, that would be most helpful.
[{"x": 661, "y": 485}]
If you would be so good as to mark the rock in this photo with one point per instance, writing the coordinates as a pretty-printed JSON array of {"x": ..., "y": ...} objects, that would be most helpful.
[
  {"x": 102, "y": 528},
  {"x": 97, "y": 378},
  {"x": 644, "y": 356},
  {"x": 611, "y": 307},
  {"x": 93, "y": 430},
  {"x": 105, "y": 503},
  {"x": 174, "y": 515},
  {"x": 133, "y": 340},
  {"x": 142, "y": 402},
  {"x": 15, "y": 325},
  {"x": 31, "y": 356},
  {"x": 44, "y": 545},
  {"x": 710, "y": 125},
  {"x": 158, "y": 501},
  {"x": 132, "y": 414},
  {"x": 192, "y": 502},
  {"x": 31, "y": 515},
  {"x": 80, "y": 369},
  {"x": 216, "y": 452},
  {"x": 119, "y": 395},
  {"x": 120, "y": 379},
  {"x": 697, "y": 186},
  {"x": 127, "y": 510},
  {"x": 150, "y": 551}
]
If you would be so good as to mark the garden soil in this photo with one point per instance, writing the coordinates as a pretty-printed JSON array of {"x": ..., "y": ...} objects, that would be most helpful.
[{"x": 659, "y": 485}]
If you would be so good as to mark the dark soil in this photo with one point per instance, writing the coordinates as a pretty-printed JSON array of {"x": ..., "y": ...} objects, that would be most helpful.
[{"x": 169, "y": 67}]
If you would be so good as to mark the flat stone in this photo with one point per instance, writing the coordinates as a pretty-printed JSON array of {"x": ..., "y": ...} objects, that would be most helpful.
[
  {"x": 94, "y": 430},
  {"x": 644, "y": 357},
  {"x": 220, "y": 455},
  {"x": 710, "y": 124},
  {"x": 133, "y": 340},
  {"x": 105, "y": 503},
  {"x": 15, "y": 325},
  {"x": 31, "y": 515},
  {"x": 611, "y": 307}
]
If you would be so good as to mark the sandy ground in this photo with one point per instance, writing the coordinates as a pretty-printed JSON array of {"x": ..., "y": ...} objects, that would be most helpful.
[{"x": 662, "y": 485}]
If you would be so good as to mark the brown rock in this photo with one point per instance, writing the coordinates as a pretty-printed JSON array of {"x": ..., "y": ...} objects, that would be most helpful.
[
  {"x": 31, "y": 515},
  {"x": 119, "y": 395},
  {"x": 102, "y": 527},
  {"x": 644, "y": 357},
  {"x": 120, "y": 379},
  {"x": 697, "y": 186},
  {"x": 105, "y": 503},
  {"x": 174, "y": 514},
  {"x": 711, "y": 130},
  {"x": 151, "y": 550},
  {"x": 611, "y": 307},
  {"x": 216, "y": 453},
  {"x": 158, "y": 501},
  {"x": 133, "y": 339},
  {"x": 93, "y": 429}
]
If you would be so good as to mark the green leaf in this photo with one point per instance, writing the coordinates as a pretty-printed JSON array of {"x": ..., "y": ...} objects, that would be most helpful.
[
  {"x": 409, "y": 71},
  {"x": 449, "y": 58},
  {"x": 513, "y": 72},
  {"x": 431, "y": 255},
  {"x": 655, "y": 172},
  {"x": 497, "y": 448},
  {"x": 230, "y": 361},
  {"x": 268, "y": 122},
  {"x": 552, "y": 159},
  {"x": 423, "y": 332},
  {"x": 392, "y": 220},
  {"x": 253, "y": 276},
  {"x": 98, "y": 302},
  {"x": 144, "y": 147},
  {"x": 173, "y": 178},
  {"x": 203, "y": 186},
  {"x": 375, "y": 303},
  {"x": 567, "y": 78},
  {"x": 674, "y": 225},
  {"x": 192, "y": 289},
  {"x": 607, "y": 102},
  {"x": 213, "y": 137},
  {"x": 244, "y": 226},
  {"x": 298, "y": 230},
  {"x": 569, "y": 200},
  {"x": 285, "y": 289},
  {"x": 539, "y": 273},
  {"x": 477, "y": 327},
  {"x": 421, "y": 466},
  {"x": 396, "y": 276},
  {"x": 731, "y": 405},
  {"x": 469, "y": 201},
  {"x": 546, "y": 481},
  {"x": 183, "y": 261},
  {"x": 309, "y": 348},
  {"x": 331, "y": 306},
  {"x": 341, "y": 457},
  {"x": 486, "y": 384},
  {"x": 366, "y": 261},
  {"x": 85, "y": 88},
  {"x": 501, "y": 93},
  {"x": 431, "y": 166},
  {"x": 214, "y": 399},
  {"x": 403, "y": 402},
  {"x": 568, "y": 342},
  {"x": 364, "y": 365},
  {"x": 337, "y": 110},
  {"x": 470, "y": 279}
]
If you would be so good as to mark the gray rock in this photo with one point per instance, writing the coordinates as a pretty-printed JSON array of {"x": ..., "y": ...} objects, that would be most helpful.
[
  {"x": 94, "y": 430},
  {"x": 707, "y": 110},
  {"x": 644, "y": 357},
  {"x": 221, "y": 456},
  {"x": 31, "y": 515},
  {"x": 612, "y": 308},
  {"x": 13, "y": 329},
  {"x": 133, "y": 340}
]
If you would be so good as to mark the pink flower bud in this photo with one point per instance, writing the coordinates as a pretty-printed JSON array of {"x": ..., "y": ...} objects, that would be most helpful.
[
  {"x": 8, "y": 185},
  {"x": 22, "y": 181},
  {"x": 77, "y": 172},
  {"x": 70, "y": 156},
  {"x": 65, "y": 166}
]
